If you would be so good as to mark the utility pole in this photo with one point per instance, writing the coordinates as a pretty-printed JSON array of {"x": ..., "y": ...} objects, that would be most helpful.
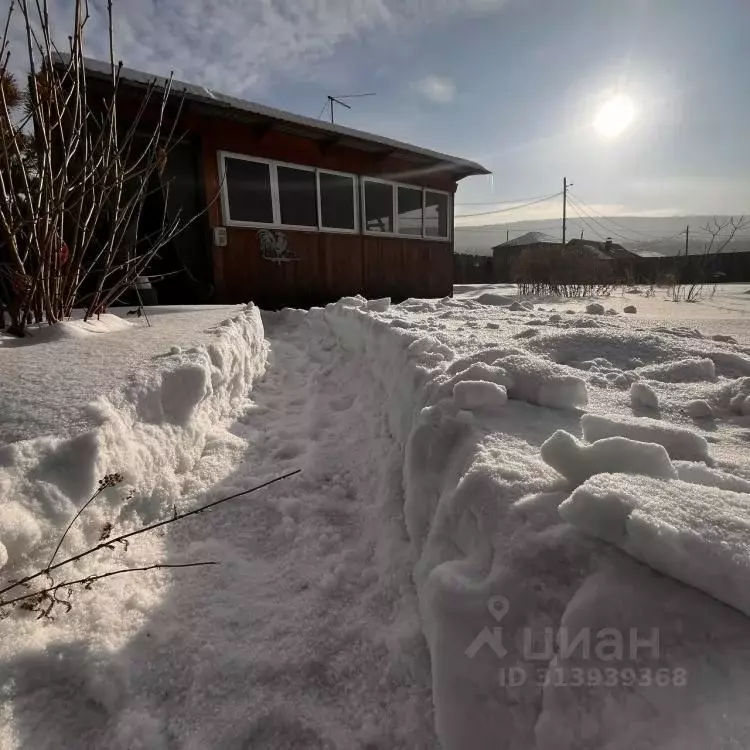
[
  {"x": 507, "y": 235},
  {"x": 582, "y": 234},
  {"x": 687, "y": 239},
  {"x": 565, "y": 206}
]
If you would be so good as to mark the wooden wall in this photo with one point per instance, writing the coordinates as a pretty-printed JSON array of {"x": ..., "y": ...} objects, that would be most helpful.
[{"x": 330, "y": 265}]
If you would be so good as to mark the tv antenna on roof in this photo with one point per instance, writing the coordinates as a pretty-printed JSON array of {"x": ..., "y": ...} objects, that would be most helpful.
[{"x": 337, "y": 100}]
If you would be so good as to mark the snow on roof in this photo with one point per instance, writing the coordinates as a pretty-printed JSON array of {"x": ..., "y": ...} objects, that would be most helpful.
[
  {"x": 646, "y": 253},
  {"x": 217, "y": 101},
  {"x": 530, "y": 238}
]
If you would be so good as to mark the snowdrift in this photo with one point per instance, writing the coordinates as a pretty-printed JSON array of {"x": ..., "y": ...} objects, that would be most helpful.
[
  {"x": 505, "y": 571},
  {"x": 152, "y": 432}
]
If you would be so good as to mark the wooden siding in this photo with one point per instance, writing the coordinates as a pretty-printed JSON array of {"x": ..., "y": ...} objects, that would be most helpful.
[{"x": 329, "y": 265}]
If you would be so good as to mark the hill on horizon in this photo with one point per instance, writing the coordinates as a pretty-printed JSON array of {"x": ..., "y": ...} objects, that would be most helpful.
[{"x": 644, "y": 235}]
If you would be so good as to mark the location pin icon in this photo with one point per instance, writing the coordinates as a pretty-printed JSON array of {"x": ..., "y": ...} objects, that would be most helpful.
[{"x": 498, "y": 607}]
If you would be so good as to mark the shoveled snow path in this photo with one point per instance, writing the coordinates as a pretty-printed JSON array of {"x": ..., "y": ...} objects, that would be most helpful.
[{"x": 307, "y": 634}]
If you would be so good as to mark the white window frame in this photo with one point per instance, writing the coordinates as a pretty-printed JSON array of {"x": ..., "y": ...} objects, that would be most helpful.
[
  {"x": 395, "y": 185},
  {"x": 358, "y": 198},
  {"x": 363, "y": 181},
  {"x": 355, "y": 202},
  {"x": 277, "y": 196},
  {"x": 226, "y": 215},
  {"x": 447, "y": 237},
  {"x": 395, "y": 207}
]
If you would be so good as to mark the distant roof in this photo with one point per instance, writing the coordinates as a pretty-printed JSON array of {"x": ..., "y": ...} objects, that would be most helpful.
[
  {"x": 289, "y": 122},
  {"x": 646, "y": 253},
  {"x": 605, "y": 250},
  {"x": 530, "y": 238}
]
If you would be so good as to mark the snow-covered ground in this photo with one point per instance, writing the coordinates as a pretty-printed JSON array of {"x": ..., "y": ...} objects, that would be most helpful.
[
  {"x": 725, "y": 312},
  {"x": 517, "y": 525},
  {"x": 83, "y": 360}
]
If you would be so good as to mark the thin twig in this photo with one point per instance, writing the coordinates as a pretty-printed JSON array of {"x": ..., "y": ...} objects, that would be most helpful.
[
  {"x": 109, "y": 542},
  {"x": 99, "y": 576}
]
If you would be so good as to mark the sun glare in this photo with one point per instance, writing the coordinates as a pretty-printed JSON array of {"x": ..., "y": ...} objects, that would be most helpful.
[{"x": 615, "y": 116}]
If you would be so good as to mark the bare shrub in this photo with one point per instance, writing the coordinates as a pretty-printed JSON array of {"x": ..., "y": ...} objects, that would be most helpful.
[
  {"x": 564, "y": 271},
  {"x": 73, "y": 178}
]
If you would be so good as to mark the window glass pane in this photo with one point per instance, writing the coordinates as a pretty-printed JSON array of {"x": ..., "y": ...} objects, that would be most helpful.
[
  {"x": 378, "y": 207},
  {"x": 436, "y": 214},
  {"x": 248, "y": 185},
  {"x": 336, "y": 201},
  {"x": 410, "y": 211},
  {"x": 297, "y": 197}
]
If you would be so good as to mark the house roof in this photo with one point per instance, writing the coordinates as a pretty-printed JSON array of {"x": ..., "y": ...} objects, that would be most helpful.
[
  {"x": 604, "y": 250},
  {"x": 217, "y": 104},
  {"x": 530, "y": 238}
]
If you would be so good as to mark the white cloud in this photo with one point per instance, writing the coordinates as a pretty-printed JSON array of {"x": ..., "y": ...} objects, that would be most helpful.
[
  {"x": 236, "y": 45},
  {"x": 436, "y": 89}
]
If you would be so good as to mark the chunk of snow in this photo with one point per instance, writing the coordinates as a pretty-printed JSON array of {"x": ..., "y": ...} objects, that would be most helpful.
[
  {"x": 498, "y": 300},
  {"x": 680, "y": 442},
  {"x": 544, "y": 383},
  {"x": 695, "y": 473},
  {"x": 682, "y": 371},
  {"x": 577, "y": 461},
  {"x": 642, "y": 395},
  {"x": 3, "y": 555},
  {"x": 731, "y": 363},
  {"x": 595, "y": 309},
  {"x": 699, "y": 409},
  {"x": 478, "y": 394},
  {"x": 630, "y": 309},
  {"x": 700, "y": 537}
]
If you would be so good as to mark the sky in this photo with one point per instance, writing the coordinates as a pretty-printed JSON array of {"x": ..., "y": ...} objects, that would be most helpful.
[{"x": 513, "y": 84}]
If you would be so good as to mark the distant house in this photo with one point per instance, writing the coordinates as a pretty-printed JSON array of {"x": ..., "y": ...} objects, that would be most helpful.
[
  {"x": 618, "y": 258},
  {"x": 506, "y": 254},
  {"x": 298, "y": 211}
]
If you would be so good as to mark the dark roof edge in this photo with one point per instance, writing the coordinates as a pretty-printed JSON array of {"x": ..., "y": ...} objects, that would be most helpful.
[{"x": 203, "y": 95}]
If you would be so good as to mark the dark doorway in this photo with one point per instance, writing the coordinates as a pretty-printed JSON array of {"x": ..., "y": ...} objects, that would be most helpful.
[{"x": 183, "y": 269}]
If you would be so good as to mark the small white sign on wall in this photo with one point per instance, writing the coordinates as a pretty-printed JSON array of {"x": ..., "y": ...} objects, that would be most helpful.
[{"x": 220, "y": 236}]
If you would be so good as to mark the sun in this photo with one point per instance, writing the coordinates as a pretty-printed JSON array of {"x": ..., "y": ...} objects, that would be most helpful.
[{"x": 615, "y": 116}]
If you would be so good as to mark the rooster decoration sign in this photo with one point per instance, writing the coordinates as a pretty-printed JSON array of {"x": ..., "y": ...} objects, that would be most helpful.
[{"x": 274, "y": 247}]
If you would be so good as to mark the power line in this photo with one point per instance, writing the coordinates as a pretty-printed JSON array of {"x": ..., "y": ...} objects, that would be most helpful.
[
  {"x": 660, "y": 240},
  {"x": 586, "y": 223},
  {"x": 499, "y": 203},
  {"x": 607, "y": 229},
  {"x": 609, "y": 219},
  {"x": 506, "y": 210},
  {"x": 499, "y": 228}
]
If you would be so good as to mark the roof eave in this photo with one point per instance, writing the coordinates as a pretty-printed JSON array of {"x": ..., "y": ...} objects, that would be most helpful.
[{"x": 238, "y": 109}]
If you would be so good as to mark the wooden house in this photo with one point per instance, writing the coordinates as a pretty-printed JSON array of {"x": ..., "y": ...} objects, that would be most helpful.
[{"x": 299, "y": 211}]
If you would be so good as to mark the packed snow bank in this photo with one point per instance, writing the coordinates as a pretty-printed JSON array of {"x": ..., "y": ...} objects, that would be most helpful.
[
  {"x": 152, "y": 431},
  {"x": 494, "y": 555},
  {"x": 701, "y": 538}
]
